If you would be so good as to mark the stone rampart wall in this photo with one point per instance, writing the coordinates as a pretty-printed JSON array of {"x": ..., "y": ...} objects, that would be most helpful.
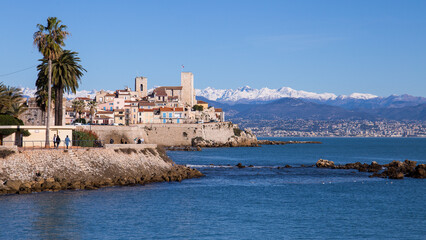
[{"x": 166, "y": 134}]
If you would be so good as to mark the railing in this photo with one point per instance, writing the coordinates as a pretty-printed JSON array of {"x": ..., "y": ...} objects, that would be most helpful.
[{"x": 40, "y": 144}]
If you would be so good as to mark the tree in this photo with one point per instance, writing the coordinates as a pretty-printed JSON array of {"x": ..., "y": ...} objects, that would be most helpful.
[
  {"x": 78, "y": 106},
  {"x": 92, "y": 106},
  {"x": 10, "y": 120},
  {"x": 11, "y": 101},
  {"x": 198, "y": 108},
  {"x": 49, "y": 39},
  {"x": 66, "y": 74}
]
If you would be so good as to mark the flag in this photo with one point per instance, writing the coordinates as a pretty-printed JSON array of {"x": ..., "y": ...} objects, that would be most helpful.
[{"x": 183, "y": 66}]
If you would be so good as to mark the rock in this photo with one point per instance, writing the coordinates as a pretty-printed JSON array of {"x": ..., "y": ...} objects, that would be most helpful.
[
  {"x": 323, "y": 163},
  {"x": 287, "y": 166},
  {"x": 250, "y": 165},
  {"x": 419, "y": 171},
  {"x": 13, "y": 185},
  {"x": 198, "y": 148},
  {"x": 50, "y": 180},
  {"x": 36, "y": 187},
  {"x": 56, "y": 186},
  {"x": 25, "y": 188},
  {"x": 239, "y": 165}
]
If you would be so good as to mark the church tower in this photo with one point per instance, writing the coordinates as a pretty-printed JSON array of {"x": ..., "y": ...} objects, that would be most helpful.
[
  {"x": 188, "y": 93},
  {"x": 141, "y": 86}
]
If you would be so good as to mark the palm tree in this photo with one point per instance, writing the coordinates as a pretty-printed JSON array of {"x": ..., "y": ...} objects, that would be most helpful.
[
  {"x": 49, "y": 40},
  {"x": 78, "y": 106},
  {"x": 92, "y": 105},
  {"x": 11, "y": 100},
  {"x": 66, "y": 74}
]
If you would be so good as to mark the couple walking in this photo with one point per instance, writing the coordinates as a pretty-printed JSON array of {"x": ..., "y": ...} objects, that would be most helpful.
[{"x": 57, "y": 141}]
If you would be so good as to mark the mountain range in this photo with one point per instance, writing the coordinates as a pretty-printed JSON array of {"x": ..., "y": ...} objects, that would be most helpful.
[{"x": 287, "y": 103}]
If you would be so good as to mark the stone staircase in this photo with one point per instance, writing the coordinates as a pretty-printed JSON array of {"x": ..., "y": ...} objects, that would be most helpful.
[{"x": 80, "y": 164}]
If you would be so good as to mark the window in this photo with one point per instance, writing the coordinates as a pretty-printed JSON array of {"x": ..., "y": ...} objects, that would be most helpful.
[
  {"x": 111, "y": 108},
  {"x": 104, "y": 108},
  {"x": 141, "y": 87},
  {"x": 121, "y": 118},
  {"x": 170, "y": 115},
  {"x": 178, "y": 120},
  {"x": 164, "y": 120},
  {"x": 164, "y": 115}
]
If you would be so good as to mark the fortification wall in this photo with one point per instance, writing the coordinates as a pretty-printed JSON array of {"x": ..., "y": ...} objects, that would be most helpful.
[{"x": 169, "y": 134}]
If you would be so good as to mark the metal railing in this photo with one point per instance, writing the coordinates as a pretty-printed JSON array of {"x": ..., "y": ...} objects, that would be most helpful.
[{"x": 40, "y": 144}]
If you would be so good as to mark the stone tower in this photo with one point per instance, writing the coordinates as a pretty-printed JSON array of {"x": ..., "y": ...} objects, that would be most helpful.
[
  {"x": 141, "y": 86},
  {"x": 188, "y": 93}
]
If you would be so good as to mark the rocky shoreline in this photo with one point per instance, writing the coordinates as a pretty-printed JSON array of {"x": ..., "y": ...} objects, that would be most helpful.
[
  {"x": 88, "y": 169},
  {"x": 199, "y": 143},
  {"x": 392, "y": 170}
]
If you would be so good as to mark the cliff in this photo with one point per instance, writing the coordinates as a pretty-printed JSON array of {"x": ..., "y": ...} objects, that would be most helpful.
[{"x": 54, "y": 170}]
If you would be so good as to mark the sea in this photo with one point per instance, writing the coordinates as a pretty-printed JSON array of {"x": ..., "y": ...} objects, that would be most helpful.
[{"x": 260, "y": 202}]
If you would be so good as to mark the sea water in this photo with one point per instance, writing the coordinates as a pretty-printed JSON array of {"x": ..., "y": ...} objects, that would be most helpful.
[{"x": 262, "y": 202}]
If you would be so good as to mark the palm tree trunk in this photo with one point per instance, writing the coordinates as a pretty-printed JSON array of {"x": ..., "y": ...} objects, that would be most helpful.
[
  {"x": 56, "y": 106},
  {"x": 49, "y": 98},
  {"x": 60, "y": 105}
]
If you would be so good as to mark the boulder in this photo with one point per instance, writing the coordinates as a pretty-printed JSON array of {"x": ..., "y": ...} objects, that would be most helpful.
[
  {"x": 13, "y": 185},
  {"x": 239, "y": 165},
  {"x": 419, "y": 171},
  {"x": 323, "y": 163}
]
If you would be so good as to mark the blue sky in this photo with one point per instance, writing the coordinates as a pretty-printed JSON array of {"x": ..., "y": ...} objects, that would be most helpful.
[{"x": 376, "y": 47}]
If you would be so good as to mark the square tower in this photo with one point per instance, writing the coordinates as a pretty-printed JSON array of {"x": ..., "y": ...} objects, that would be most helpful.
[
  {"x": 188, "y": 93},
  {"x": 141, "y": 86}
]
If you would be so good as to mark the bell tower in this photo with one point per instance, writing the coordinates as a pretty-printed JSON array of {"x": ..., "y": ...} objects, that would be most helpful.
[
  {"x": 141, "y": 86},
  {"x": 188, "y": 93}
]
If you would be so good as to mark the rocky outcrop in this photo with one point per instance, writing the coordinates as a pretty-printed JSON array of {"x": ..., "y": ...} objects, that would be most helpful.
[
  {"x": 242, "y": 139},
  {"x": 55, "y": 170},
  {"x": 393, "y": 170},
  {"x": 322, "y": 163}
]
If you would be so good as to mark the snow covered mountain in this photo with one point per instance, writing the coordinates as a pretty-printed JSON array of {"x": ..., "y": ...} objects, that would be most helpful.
[
  {"x": 265, "y": 94},
  {"x": 30, "y": 92},
  {"x": 250, "y": 95}
]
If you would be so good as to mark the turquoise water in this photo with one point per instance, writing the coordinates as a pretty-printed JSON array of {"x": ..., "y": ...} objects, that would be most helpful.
[{"x": 250, "y": 203}]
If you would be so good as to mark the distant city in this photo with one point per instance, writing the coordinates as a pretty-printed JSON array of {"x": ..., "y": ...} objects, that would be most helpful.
[{"x": 336, "y": 128}]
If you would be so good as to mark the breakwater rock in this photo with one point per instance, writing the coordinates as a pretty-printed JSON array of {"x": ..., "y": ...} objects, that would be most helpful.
[
  {"x": 240, "y": 139},
  {"x": 55, "y": 170},
  {"x": 393, "y": 170},
  {"x": 270, "y": 142}
]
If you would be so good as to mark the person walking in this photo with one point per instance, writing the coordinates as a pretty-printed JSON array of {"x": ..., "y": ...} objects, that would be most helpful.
[
  {"x": 54, "y": 141},
  {"x": 67, "y": 141},
  {"x": 58, "y": 141}
]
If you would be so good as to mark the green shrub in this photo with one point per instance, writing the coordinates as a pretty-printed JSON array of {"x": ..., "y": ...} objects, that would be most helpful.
[
  {"x": 237, "y": 132},
  {"x": 198, "y": 108},
  {"x": 85, "y": 138},
  {"x": 80, "y": 120}
]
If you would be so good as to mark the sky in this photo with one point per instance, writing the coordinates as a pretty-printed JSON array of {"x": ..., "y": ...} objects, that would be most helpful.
[{"x": 376, "y": 47}]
